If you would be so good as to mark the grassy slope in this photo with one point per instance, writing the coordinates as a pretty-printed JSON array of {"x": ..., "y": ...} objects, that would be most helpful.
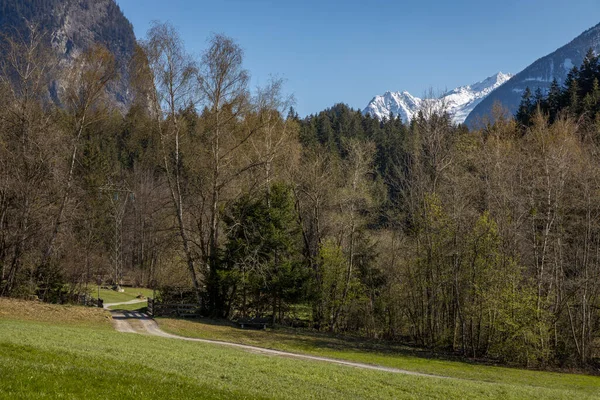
[
  {"x": 377, "y": 353},
  {"x": 52, "y": 314},
  {"x": 76, "y": 354}
]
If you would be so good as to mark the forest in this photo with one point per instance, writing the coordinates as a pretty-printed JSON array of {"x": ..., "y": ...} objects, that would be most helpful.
[{"x": 482, "y": 242}]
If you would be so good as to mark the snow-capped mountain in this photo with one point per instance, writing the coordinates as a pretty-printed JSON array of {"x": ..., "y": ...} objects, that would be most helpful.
[
  {"x": 540, "y": 74},
  {"x": 458, "y": 102},
  {"x": 398, "y": 103}
]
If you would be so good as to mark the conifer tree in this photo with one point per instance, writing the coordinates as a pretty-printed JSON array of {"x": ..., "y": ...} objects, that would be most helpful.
[
  {"x": 553, "y": 101},
  {"x": 538, "y": 97},
  {"x": 591, "y": 99},
  {"x": 571, "y": 79},
  {"x": 325, "y": 131},
  {"x": 589, "y": 70},
  {"x": 573, "y": 97},
  {"x": 525, "y": 108},
  {"x": 292, "y": 114},
  {"x": 539, "y": 102}
]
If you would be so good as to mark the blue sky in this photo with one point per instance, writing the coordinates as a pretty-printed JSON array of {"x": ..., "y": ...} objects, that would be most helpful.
[{"x": 349, "y": 51}]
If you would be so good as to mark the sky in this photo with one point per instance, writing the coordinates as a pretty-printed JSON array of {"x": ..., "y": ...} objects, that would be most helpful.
[{"x": 332, "y": 52}]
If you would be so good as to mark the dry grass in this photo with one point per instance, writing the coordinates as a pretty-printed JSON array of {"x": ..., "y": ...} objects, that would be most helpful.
[{"x": 11, "y": 309}]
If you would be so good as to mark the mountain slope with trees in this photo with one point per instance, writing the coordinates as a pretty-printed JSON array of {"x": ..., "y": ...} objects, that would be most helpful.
[
  {"x": 578, "y": 97},
  {"x": 540, "y": 74}
]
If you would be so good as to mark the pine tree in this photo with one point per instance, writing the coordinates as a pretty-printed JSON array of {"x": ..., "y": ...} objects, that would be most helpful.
[
  {"x": 590, "y": 101},
  {"x": 571, "y": 79},
  {"x": 308, "y": 132},
  {"x": 539, "y": 101},
  {"x": 525, "y": 108},
  {"x": 292, "y": 114},
  {"x": 553, "y": 100},
  {"x": 573, "y": 102},
  {"x": 595, "y": 93},
  {"x": 589, "y": 71},
  {"x": 260, "y": 251},
  {"x": 325, "y": 133},
  {"x": 538, "y": 97}
]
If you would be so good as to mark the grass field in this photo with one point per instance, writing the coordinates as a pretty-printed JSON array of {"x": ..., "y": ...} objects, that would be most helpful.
[
  {"x": 112, "y": 296},
  {"x": 380, "y": 353},
  {"x": 71, "y": 352}
]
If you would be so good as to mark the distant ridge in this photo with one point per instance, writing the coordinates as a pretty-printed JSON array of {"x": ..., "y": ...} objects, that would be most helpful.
[
  {"x": 540, "y": 74},
  {"x": 458, "y": 102}
]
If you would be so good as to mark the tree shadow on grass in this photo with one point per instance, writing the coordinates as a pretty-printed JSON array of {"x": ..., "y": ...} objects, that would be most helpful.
[
  {"x": 137, "y": 313},
  {"x": 298, "y": 339}
]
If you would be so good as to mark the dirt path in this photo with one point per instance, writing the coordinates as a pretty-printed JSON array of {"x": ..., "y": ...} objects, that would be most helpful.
[
  {"x": 134, "y": 301},
  {"x": 122, "y": 321}
]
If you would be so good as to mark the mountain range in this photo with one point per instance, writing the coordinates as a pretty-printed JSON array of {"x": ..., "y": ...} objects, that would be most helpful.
[
  {"x": 472, "y": 103},
  {"x": 74, "y": 25},
  {"x": 458, "y": 102}
]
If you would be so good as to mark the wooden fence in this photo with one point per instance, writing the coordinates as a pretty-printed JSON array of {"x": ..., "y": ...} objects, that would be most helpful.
[
  {"x": 157, "y": 309},
  {"x": 87, "y": 300}
]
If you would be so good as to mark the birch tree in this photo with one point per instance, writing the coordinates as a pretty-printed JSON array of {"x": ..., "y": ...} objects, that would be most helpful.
[{"x": 175, "y": 76}]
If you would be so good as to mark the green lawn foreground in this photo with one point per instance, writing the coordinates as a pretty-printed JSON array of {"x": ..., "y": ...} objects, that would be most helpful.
[
  {"x": 73, "y": 352},
  {"x": 378, "y": 353}
]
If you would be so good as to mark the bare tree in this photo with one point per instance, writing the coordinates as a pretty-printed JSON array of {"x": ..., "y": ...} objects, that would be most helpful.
[
  {"x": 29, "y": 137},
  {"x": 276, "y": 135},
  {"x": 223, "y": 85},
  {"x": 355, "y": 198},
  {"x": 175, "y": 86},
  {"x": 85, "y": 83}
]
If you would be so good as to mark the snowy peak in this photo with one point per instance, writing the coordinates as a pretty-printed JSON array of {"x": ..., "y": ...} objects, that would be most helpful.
[
  {"x": 458, "y": 102},
  {"x": 461, "y": 101},
  {"x": 398, "y": 103},
  {"x": 485, "y": 86}
]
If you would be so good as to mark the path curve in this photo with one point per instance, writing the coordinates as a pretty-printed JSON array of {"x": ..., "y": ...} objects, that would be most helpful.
[{"x": 121, "y": 322}]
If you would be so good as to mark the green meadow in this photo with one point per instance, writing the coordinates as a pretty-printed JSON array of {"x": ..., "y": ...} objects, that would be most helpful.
[{"x": 73, "y": 352}]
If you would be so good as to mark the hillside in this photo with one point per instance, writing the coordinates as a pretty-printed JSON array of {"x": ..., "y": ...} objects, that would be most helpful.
[
  {"x": 540, "y": 74},
  {"x": 72, "y": 26}
]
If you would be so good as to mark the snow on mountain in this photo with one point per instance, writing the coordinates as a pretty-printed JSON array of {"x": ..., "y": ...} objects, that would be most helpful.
[
  {"x": 458, "y": 102},
  {"x": 399, "y": 103}
]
